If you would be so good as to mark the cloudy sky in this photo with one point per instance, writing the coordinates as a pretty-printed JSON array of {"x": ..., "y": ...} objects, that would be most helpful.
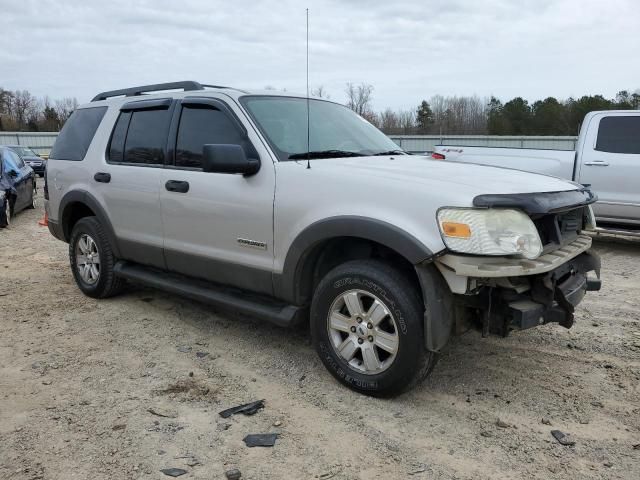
[{"x": 407, "y": 49}]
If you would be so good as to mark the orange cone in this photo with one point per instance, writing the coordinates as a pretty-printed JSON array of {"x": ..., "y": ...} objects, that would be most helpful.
[{"x": 45, "y": 220}]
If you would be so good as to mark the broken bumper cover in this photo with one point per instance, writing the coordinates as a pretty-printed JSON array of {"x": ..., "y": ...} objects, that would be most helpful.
[
  {"x": 495, "y": 267},
  {"x": 551, "y": 297}
]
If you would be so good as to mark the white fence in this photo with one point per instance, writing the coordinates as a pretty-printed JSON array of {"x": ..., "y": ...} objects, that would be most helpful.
[
  {"x": 426, "y": 143},
  {"x": 42, "y": 142}
]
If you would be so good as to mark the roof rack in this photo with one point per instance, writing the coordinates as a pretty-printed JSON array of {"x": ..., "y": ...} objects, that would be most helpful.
[{"x": 134, "y": 91}]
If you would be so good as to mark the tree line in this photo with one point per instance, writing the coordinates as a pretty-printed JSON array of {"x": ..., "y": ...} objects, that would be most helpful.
[
  {"x": 461, "y": 115},
  {"x": 21, "y": 111},
  {"x": 439, "y": 115}
]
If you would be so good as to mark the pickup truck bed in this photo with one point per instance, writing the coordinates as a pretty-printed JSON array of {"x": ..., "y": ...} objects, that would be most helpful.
[
  {"x": 607, "y": 158},
  {"x": 559, "y": 163}
]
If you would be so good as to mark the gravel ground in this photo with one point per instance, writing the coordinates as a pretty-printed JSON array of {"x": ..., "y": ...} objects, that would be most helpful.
[{"x": 79, "y": 376}]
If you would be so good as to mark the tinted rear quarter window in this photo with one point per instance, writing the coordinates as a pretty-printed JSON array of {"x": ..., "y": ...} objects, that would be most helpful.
[
  {"x": 76, "y": 135},
  {"x": 619, "y": 135}
]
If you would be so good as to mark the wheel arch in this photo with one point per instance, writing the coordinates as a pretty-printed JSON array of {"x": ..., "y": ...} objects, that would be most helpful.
[
  {"x": 328, "y": 242},
  {"x": 78, "y": 204}
]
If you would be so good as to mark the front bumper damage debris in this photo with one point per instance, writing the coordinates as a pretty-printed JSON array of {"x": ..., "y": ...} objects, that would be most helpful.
[{"x": 551, "y": 297}]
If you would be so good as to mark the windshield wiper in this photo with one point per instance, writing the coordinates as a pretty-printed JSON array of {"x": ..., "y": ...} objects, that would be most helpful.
[
  {"x": 390, "y": 152},
  {"x": 324, "y": 154}
]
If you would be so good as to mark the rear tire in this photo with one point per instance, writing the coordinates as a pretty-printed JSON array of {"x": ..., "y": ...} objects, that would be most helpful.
[
  {"x": 92, "y": 260},
  {"x": 367, "y": 327}
]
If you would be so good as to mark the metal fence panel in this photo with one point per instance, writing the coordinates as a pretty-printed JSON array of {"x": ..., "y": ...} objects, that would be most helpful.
[
  {"x": 42, "y": 142},
  {"x": 427, "y": 143}
]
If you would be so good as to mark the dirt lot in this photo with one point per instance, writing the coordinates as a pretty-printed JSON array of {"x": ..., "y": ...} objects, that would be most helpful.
[{"x": 78, "y": 377}]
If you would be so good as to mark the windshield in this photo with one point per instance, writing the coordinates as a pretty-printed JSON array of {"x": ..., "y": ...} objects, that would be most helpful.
[
  {"x": 335, "y": 131},
  {"x": 24, "y": 151}
]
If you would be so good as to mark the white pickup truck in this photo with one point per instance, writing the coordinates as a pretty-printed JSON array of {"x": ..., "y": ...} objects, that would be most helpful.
[{"x": 607, "y": 157}]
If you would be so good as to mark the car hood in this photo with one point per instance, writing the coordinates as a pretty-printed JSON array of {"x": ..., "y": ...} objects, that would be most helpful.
[{"x": 419, "y": 170}]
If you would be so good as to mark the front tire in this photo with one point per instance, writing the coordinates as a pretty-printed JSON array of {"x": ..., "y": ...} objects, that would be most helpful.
[
  {"x": 367, "y": 327},
  {"x": 92, "y": 260},
  {"x": 34, "y": 191},
  {"x": 6, "y": 213}
]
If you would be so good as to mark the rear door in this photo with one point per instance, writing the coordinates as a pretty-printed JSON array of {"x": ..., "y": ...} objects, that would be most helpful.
[
  {"x": 217, "y": 226},
  {"x": 610, "y": 162},
  {"x": 129, "y": 180}
]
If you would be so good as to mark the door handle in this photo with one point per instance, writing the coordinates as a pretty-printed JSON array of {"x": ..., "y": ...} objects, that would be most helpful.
[
  {"x": 597, "y": 163},
  {"x": 177, "y": 186},
  {"x": 102, "y": 177}
]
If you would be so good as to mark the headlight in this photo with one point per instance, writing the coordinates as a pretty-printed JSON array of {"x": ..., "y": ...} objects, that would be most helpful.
[{"x": 489, "y": 232}]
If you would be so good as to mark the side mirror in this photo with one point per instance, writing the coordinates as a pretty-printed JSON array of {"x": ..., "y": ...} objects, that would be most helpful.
[{"x": 221, "y": 158}]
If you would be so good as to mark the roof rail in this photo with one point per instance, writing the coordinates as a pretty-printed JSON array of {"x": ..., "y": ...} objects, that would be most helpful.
[{"x": 134, "y": 91}]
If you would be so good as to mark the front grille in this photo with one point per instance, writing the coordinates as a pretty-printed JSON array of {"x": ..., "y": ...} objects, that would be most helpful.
[{"x": 556, "y": 229}]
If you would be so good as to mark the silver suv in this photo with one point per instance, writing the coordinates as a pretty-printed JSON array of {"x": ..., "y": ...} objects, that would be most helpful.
[{"x": 294, "y": 209}]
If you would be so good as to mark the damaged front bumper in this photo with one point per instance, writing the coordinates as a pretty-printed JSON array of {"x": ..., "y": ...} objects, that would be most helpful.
[
  {"x": 499, "y": 295},
  {"x": 549, "y": 297}
]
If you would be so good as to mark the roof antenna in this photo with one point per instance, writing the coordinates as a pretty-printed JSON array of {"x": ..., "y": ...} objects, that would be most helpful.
[{"x": 308, "y": 128}]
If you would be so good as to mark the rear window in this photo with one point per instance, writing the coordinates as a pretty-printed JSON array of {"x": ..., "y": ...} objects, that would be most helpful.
[
  {"x": 619, "y": 135},
  {"x": 77, "y": 134}
]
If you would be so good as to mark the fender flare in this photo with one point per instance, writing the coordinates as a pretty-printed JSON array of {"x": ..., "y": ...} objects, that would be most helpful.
[
  {"x": 439, "y": 307},
  {"x": 287, "y": 284},
  {"x": 85, "y": 198}
]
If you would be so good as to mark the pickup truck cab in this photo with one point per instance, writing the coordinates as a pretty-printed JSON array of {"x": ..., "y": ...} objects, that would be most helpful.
[
  {"x": 607, "y": 158},
  {"x": 298, "y": 210}
]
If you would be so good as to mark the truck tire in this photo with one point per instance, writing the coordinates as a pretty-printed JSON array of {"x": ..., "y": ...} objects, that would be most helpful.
[
  {"x": 92, "y": 260},
  {"x": 367, "y": 327}
]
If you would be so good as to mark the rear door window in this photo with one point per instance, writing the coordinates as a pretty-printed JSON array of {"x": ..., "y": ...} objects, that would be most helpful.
[
  {"x": 199, "y": 126},
  {"x": 619, "y": 135},
  {"x": 140, "y": 137},
  {"x": 76, "y": 135}
]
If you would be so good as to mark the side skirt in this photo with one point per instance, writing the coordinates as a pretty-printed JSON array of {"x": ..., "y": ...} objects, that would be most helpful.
[{"x": 229, "y": 298}]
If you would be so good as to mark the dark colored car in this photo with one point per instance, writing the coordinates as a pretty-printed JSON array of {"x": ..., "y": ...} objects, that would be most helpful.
[
  {"x": 31, "y": 158},
  {"x": 17, "y": 185}
]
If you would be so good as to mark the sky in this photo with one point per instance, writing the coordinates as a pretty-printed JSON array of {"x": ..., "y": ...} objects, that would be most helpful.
[{"x": 408, "y": 50}]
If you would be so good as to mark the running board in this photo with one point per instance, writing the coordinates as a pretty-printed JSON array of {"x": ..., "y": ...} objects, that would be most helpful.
[
  {"x": 234, "y": 299},
  {"x": 617, "y": 231}
]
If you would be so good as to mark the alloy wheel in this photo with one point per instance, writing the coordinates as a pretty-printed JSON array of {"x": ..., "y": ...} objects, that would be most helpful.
[
  {"x": 363, "y": 331},
  {"x": 88, "y": 259}
]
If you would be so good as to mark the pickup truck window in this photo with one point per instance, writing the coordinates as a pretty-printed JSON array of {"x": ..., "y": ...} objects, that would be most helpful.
[
  {"x": 200, "y": 126},
  {"x": 335, "y": 131},
  {"x": 619, "y": 135}
]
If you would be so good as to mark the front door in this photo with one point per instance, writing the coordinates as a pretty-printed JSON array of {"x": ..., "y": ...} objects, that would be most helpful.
[{"x": 217, "y": 226}]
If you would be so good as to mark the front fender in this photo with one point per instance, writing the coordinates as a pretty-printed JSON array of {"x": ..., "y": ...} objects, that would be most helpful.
[{"x": 287, "y": 284}]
